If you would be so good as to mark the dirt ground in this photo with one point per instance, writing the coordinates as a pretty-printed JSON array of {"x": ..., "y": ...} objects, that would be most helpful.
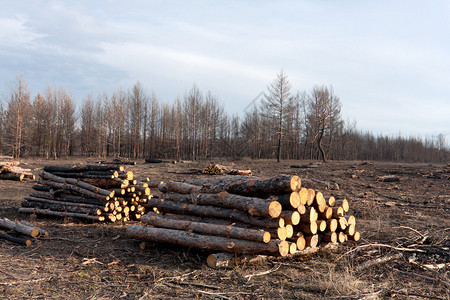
[{"x": 406, "y": 223}]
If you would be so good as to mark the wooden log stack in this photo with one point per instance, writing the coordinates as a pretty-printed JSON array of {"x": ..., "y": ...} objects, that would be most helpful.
[
  {"x": 10, "y": 171},
  {"x": 248, "y": 215},
  {"x": 22, "y": 233},
  {"x": 217, "y": 169},
  {"x": 92, "y": 192}
]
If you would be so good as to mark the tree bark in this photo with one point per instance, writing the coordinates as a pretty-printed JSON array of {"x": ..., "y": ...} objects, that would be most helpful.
[
  {"x": 207, "y": 228},
  {"x": 206, "y": 242}
]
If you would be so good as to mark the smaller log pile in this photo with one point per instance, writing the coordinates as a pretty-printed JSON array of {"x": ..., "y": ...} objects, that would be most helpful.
[
  {"x": 249, "y": 215},
  {"x": 117, "y": 161},
  {"x": 216, "y": 169},
  {"x": 21, "y": 232},
  {"x": 92, "y": 192},
  {"x": 10, "y": 171}
]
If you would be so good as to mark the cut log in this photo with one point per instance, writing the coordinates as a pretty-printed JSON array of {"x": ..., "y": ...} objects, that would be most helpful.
[
  {"x": 289, "y": 201},
  {"x": 42, "y": 232},
  {"x": 342, "y": 223},
  {"x": 75, "y": 182},
  {"x": 306, "y": 228},
  {"x": 337, "y": 212},
  {"x": 304, "y": 196},
  {"x": 107, "y": 183},
  {"x": 279, "y": 184},
  {"x": 43, "y": 188},
  {"x": 311, "y": 196},
  {"x": 356, "y": 237},
  {"x": 57, "y": 201},
  {"x": 388, "y": 178},
  {"x": 312, "y": 240},
  {"x": 310, "y": 216},
  {"x": 217, "y": 180},
  {"x": 12, "y": 176},
  {"x": 332, "y": 225},
  {"x": 89, "y": 174},
  {"x": 321, "y": 225},
  {"x": 329, "y": 237},
  {"x": 29, "y": 210},
  {"x": 221, "y": 260},
  {"x": 299, "y": 240},
  {"x": 210, "y": 211},
  {"x": 251, "y": 205},
  {"x": 326, "y": 214},
  {"x": 74, "y": 188},
  {"x": 350, "y": 230},
  {"x": 59, "y": 207},
  {"x": 206, "y": 242},
  {"x": 186, "y": 171},
  {"x": 83, "y": 168},
  {"x": 155, "y": 161},
  {"x": 179, "y": 187},
  {"x": 342, "y": 237},
  {"x": 64, "y": 198},
  {"x": 290, "y": 217},
  {"x": 301, "y": 209},
  {"x": 207, "y": 228},
  {"x": 331, "y": 201},
  {"x": 19, "y": 227},
  {"x": 17, "y": 240},
  {"x": 342, "y": 203},
  {"x": 351, "y": 220}
]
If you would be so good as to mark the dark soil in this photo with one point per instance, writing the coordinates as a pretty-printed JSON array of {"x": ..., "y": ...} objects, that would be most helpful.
[{"x": 407, "y": 221}]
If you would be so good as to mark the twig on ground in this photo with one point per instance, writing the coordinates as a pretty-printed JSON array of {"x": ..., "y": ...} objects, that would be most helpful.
[
  {"x": 250, "y": 276},
  {"x": 381, "y": 246},
  {"x": 414, "y": 294},
  {"x": 378, "y": 261},
  {"x": 446, "y": 283}
]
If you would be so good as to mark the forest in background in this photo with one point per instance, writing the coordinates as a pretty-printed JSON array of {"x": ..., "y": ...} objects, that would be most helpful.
[{"x": 136, "y": 124}]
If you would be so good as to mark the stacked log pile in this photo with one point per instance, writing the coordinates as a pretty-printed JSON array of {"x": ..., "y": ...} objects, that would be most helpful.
[
  {"x": 93, "y": 192},
  {"x": 22, "y": 233},
  {"x": 216, "y": 169},
  {"x": 245, "y": 215},
  {"x": 10, "y": 171}
]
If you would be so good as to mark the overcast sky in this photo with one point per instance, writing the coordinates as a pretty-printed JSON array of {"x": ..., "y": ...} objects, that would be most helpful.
[{"x": 388, "y": 61}]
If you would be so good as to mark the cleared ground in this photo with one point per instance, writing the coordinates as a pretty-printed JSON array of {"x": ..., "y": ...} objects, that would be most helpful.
[{"x": 83, "y": 260}]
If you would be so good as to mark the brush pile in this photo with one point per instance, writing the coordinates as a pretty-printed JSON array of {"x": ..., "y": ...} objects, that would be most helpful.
[
  {"x": 22, "y": 233},
  {"x": 245, "y": 215},
  {"x": 93, "y": 192}
]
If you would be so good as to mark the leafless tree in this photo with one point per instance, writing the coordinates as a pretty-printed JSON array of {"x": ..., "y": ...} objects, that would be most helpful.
[
  {"x": 18, "y": 117},
  {"x": 278, "y": 103},
  {"x": 323, "y": 114}
]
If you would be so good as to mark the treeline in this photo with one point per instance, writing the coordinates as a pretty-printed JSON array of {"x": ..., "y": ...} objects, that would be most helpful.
[{"x": 134, "y": 123}]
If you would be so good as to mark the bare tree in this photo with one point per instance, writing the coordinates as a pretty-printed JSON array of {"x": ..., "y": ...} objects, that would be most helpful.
[
  {"x": 323, "y": 114},
  {"x": 278, "y": 103},
  {"x": 18, "y": 117}
]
